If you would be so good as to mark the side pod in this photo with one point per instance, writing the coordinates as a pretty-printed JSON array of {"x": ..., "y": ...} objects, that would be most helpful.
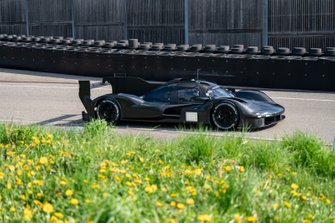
[{"x": 85, "y": 97}]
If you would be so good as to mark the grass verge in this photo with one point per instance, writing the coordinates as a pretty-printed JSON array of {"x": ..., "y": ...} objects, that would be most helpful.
[{"x": 98, "y": 175}]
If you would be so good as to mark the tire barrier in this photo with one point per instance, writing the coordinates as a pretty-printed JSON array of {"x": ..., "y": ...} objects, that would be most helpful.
[{"x": 280, "y": 68}]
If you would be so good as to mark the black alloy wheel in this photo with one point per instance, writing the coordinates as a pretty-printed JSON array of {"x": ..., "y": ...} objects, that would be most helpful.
[
  {"x": 225, "y": 116},
  {"x": 108, "y": 110}
]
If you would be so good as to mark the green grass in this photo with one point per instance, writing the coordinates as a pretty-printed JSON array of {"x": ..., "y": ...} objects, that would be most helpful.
[{"x": 97, "y": 175}]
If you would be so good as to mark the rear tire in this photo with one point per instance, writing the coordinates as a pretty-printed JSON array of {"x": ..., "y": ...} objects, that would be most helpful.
[
  {"x": 108, "y": 110},
  {"x": 225, "y": 116}
]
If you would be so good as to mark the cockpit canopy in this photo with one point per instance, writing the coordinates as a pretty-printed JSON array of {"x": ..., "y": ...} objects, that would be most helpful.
[{"x": 186, "y": 91}]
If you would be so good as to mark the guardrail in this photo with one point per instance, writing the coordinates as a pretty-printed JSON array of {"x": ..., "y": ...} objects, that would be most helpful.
[{"x": 231, "y": 66}]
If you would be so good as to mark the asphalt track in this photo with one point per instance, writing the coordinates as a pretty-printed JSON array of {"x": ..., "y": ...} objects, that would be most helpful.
[{"x": 40, "y": 98}]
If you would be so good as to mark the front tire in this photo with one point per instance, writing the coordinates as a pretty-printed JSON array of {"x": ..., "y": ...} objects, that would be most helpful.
[
  {"x": 108, "y": 110},
  {"x": 225, "y": 116}
]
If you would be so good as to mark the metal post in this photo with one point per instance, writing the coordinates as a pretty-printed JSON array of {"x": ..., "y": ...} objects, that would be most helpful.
[
  {"x": 186, "y": 21},
  {"x": 26, "y": 15},
  {"x": 72, "y": 20},
  {"x": 126, "y": 20},
  {"x": 265, "y": 34}
]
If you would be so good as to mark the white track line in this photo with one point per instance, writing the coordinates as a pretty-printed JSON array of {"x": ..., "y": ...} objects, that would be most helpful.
[{"x": 303, "y": 99}]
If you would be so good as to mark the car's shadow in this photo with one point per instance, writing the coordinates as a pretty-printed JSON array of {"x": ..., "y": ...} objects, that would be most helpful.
[
  {"x": 171, "y": 127},
  {"x": 182, "y": 127}
]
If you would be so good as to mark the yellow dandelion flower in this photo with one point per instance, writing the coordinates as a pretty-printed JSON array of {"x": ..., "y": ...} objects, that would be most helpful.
[
  {"x": 63, "y": 182},
  {"x": 242, "y": 169},
  {"x": 251, "y": 219},
  {"x": 328, "y": 201},
  {"x": 9, "y": 186},
  {"x": 23, "y": 197},
  {"x": 180, "y": 206},
  {"x": 39, "y": 182},
  {"x": 31, "y": 173},
  {"x": 37, "y": 202},
  {"x": 204, "y": 218},
  {"x": 36, "y": 141},
  {"x": 18, "y": 181},
  {"x": 227, "y": 168},
  {"x": 197, "y": 171},
  {"x": 287, "y": 204},
  {"x": 95, "y": 186},
  {"x": 188, "y": 171},
  {"x": 69, "y": 193},
  {"x": 58, "y": 215},
  {"x": 303, "y": 197},
  {"x": 141, "y": 159},
  {"x": 124, "y": 162},
  {"x": 172, "y": 220},
  {"x": 12, "y": 209},
  {"x": 27, "y": 214},
  {"x": 294, "y": 193},
  {"x": 237, "y": 218},
  {"x": 192, "y": 190},
  {"x": 54, "y": 219},
  {"x": 131, "y": 153},
  {"x": 131, "y": 192},
  {"x": 190, "y": 201},
  {"x": 74, "y": 201},
  {"x": 173, "y": 203},
  {"x": 1, "y": 175},
  {"x": 294, "y": 186},
  {"x": 275, "y": 206},
  {"x": 306, "y": 221},
  {"x": 117, "y": 178},
  {"x": 322, "y": 197},
  {"x": 150, "y": 188},
  {"x": 159, "y": 204},
  {"x": 43, "y": 160},
  {"x": 19, "y": 172},
  {"x": 48, "y": 208},
  {"x": 49, "y": 135},
  {"x": 310, "y": 216}
]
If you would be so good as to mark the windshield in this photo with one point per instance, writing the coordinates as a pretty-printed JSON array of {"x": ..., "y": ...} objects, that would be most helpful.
[{"x": 218, "y": 92}]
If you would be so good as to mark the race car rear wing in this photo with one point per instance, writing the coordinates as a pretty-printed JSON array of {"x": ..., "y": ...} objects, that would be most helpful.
[
  {"x": 85, "y": 97},
  {"x": 130, "y": 85}
]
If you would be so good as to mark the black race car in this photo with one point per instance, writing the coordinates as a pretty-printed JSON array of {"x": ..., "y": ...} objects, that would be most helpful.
[{"x": 192, "y": 101}]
